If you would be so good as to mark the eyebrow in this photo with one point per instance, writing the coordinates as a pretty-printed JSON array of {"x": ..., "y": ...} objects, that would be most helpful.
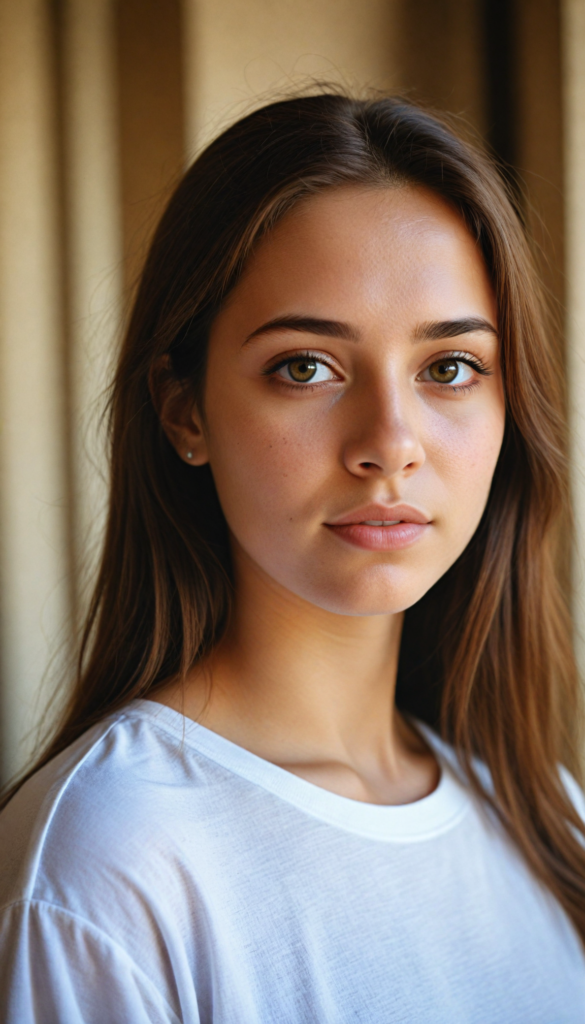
[
  {"x": 433, "y": 330},
  {"x": 308, "y": 325}
]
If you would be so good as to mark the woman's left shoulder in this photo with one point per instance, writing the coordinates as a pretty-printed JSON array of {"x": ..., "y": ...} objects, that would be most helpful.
[{"x": 573, "y": 790}]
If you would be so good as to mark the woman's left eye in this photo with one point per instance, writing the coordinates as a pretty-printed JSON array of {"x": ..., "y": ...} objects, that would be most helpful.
[
  {"x": 305, "y": 370},
  {"x": 448, "y": 371}
]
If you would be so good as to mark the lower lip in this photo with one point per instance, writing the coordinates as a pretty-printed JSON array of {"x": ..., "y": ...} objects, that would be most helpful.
[{"x": 380, "y": 538}]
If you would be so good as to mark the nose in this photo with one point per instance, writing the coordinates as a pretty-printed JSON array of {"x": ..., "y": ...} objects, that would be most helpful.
[{"x": 383, "y": 437}]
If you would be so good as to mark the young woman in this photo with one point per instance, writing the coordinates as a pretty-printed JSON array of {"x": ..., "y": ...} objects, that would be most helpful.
[{"x": 317, "y": 764}]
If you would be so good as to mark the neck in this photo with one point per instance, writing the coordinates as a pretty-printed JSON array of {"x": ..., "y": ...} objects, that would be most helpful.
[
  {"x": 317, "y": 680},
  {"x": 310, "y": 690}
]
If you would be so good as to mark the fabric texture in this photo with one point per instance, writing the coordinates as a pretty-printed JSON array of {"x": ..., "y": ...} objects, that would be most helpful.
[{"x": 156, "y": 872}]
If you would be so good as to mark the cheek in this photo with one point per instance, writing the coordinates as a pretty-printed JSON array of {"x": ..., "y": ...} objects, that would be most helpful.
[
  {"x": 463, "y": 451},
  {"x": 267, "y": 467}
]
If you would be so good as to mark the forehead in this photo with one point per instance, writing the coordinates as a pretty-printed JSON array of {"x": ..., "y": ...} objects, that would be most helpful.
[{"x": 400, "y": 251}]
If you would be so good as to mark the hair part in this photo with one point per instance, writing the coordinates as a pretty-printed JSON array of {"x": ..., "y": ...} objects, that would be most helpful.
[{"x": 498, "y": 677}]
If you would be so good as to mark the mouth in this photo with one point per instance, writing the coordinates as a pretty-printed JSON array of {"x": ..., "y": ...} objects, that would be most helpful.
[
  {"x": 376, "y": 528},
  {"x": 382, "y": 515},
  {"x": 379, "y": 522}
]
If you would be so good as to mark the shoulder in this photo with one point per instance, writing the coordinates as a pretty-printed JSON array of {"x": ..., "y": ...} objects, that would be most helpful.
[
  {"x": 574, "y": 791},
  {"x": 101, "y": 816},
  {"x": 448, "y": 754},
  {"x": 98, "y": 864}
]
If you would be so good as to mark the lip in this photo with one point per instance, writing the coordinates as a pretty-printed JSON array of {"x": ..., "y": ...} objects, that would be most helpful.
[
  {"x": 409, "y": 526},
  {"x": 404, "y": 513}
]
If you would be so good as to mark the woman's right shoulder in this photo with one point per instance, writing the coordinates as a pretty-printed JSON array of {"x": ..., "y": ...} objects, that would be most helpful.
[
  {"x": 93, "y": 817},
  {"x": 83, "y": 849}
]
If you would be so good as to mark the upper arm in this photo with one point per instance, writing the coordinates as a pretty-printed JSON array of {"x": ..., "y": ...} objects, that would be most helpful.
[{"x": 54, "y": 966}]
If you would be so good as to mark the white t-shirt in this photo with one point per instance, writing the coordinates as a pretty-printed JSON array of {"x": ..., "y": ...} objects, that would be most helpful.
[{"x": 156, "y": 872}]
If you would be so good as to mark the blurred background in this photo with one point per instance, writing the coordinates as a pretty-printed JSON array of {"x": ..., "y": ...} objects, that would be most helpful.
[{"x": 102, "y": 104}]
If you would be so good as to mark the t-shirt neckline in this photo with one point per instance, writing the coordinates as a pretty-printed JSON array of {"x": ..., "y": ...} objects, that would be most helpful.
[{"x": 424, "y": 819}]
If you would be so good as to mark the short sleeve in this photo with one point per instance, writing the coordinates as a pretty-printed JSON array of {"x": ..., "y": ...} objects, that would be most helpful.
[{"x": 54, "y": 966}]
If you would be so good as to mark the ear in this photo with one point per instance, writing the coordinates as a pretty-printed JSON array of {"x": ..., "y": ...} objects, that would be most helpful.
[{"x": 178, "y": 413}]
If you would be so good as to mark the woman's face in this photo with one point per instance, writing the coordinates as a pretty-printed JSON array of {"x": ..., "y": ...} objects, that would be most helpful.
[{"x": 354, "y": 403}]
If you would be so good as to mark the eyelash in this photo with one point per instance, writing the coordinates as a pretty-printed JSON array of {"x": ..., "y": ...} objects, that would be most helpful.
[
  {"x": 470, "y": 360},
  {"x": 461, "y": 357},
  {"x": 270, "y": 371}
]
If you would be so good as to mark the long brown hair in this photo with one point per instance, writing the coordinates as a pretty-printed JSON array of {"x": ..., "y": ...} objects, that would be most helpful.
[{"x": 498, "y": 674}]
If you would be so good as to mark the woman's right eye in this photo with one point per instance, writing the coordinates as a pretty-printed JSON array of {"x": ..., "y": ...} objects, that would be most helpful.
[{"x": 305, "y": 370}]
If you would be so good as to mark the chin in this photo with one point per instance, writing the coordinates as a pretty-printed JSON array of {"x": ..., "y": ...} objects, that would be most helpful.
[{"x": 368, "y": 596}]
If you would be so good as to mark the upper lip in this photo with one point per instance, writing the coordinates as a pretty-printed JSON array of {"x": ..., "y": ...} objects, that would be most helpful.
[{"x": 384, "y": 513}]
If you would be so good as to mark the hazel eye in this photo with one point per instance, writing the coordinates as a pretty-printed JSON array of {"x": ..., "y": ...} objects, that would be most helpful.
[
  {"x": 305, "y": 370},
  {"x": 449, "y": 371},
  {"x": 302, "y": 369}
]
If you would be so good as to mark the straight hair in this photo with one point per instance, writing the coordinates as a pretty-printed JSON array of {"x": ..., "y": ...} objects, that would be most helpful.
[{"x": 486, "y": 656}]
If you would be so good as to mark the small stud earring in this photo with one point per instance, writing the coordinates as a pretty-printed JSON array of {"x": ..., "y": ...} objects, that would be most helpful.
[{"x": 189, "y": 455}]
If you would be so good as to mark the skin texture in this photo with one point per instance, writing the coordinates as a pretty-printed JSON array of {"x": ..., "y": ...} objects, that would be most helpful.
[{"x": 305, "y": 675}]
